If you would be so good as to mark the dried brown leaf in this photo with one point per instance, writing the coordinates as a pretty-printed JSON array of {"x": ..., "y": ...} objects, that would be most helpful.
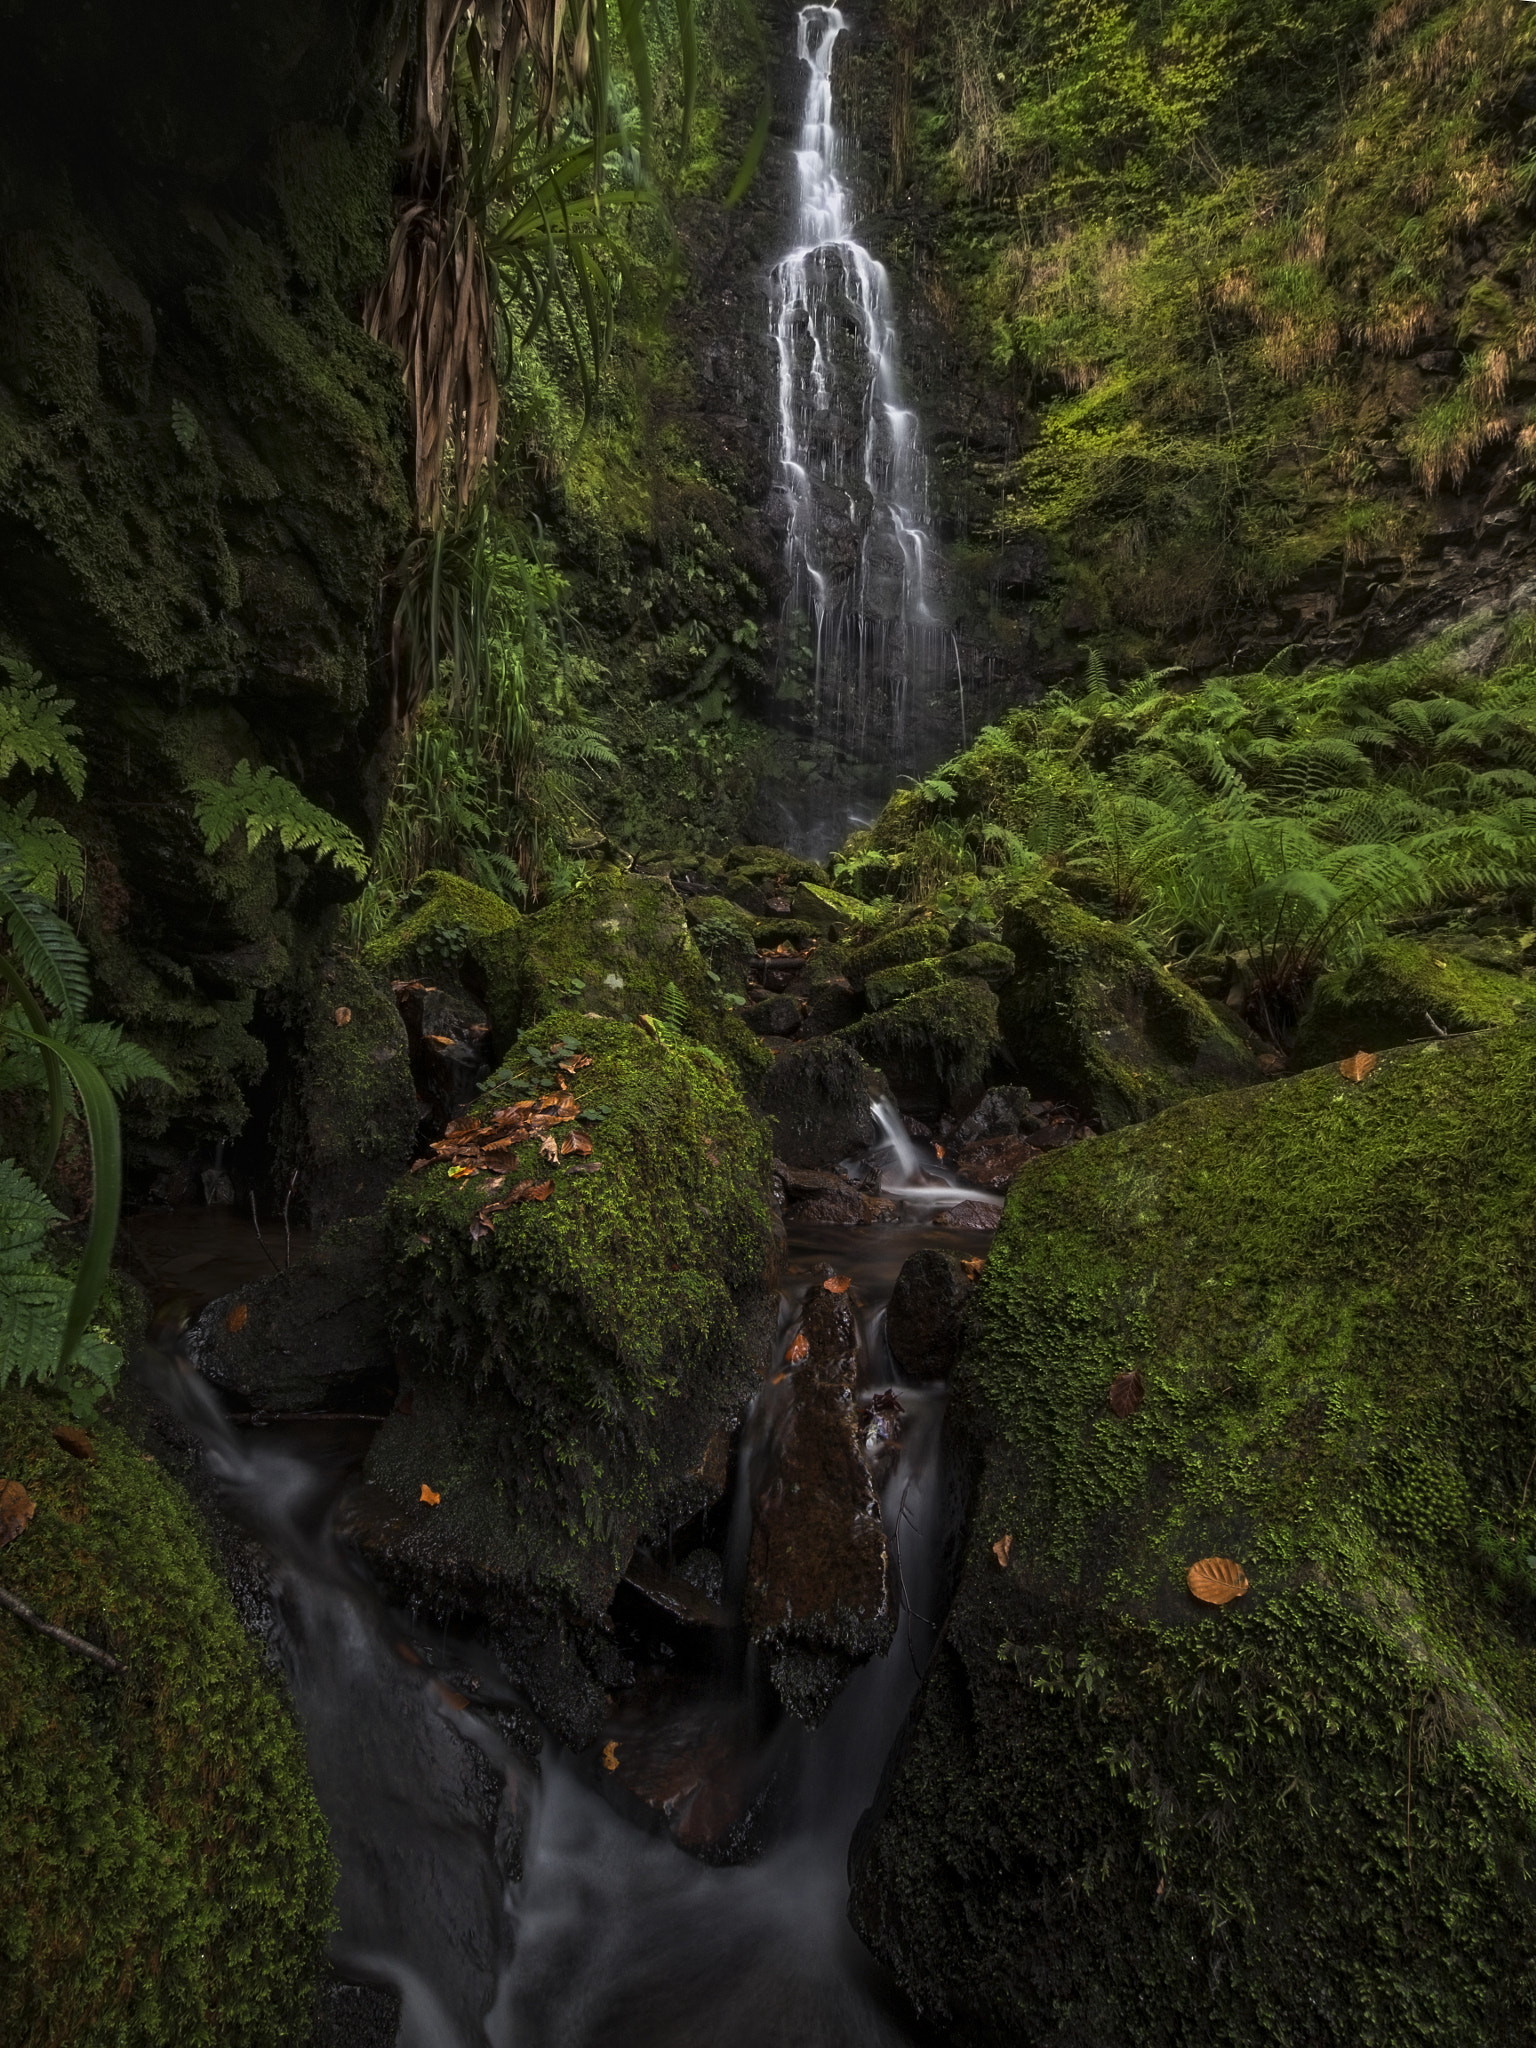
[
  {"x": 343, "y": 1016},
  {"x": 1216, "y": 1580},
  {"x": 17, "y": 1508},
  {"x": 800, "y": 1350},
  {"x": 1127, "y": 1391},
  {"x": 75, "y": 1441},
  {"x": 1002, "y": 1550},
  {"x": 839, "y": 1283},
  {"x": 610, "y": 1756},
  {"x": 579, "y": 1143},
  {"x": 432, "y": 1499},
  {"x": 237, "y": 1318},
  {"x": 1357, "y": 1068}
]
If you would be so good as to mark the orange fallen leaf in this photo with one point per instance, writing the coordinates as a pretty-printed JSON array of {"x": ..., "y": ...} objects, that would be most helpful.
[
  {"x": 432, "y": 1499},
  {"x": 800, "y": 1350},
  {"x": 343, "y": 1016},
  {"x": 1357, "y": 1068},
  {"x": 404, "y": 1650},
  {"x": 1002, "y": 1550},
  {"x": 610, "y": 1756},
  {"x": 579, "y": 1143},
  {"x": 75, "y": 1441},
  {"x": 237, "y": 1318},
  {"x": 538, "y": 1191},
  {"x": 973, "y": 1268},
  {"x": 460, "y": 1172},
  {"x": 839, "y": 1283},
  {"x": 450, "y": 1698},
  {"x": 17, "y": 1508},
  {"x": 1216, "y": 1580},
  {"x": 436, "y": 1038}
]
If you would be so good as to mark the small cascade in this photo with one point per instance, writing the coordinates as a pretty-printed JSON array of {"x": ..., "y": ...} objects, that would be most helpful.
[{"x": 863, "y": 646}]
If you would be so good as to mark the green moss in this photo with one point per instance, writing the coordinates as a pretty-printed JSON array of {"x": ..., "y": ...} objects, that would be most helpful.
[
  {"x": 893, "y": 984},
  {"x": 1090, "y": 1015},
  {"x": 166, "y": 1875},
  {"x": 453, "y": 918},
  {"x": 1401, "y": 990},
  {"x": 923, "y": 939},
  {"x": 946, "y": 1036},
  {"x": 1127, "y": 1817},
  {"x": 986, "y": 961},
  {"x": 359, "y": 1102},
  {"x": 577, "y": 1359}
]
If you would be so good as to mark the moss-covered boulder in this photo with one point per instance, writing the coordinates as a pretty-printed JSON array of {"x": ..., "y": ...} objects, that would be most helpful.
[
  {"x": 936, "y": 1044},
  {"x": 1310, "y": 1815},
  {"x": 816, "y": 1099},
  {"x": 894, "y": 984},
  {"x": 453, "y": 920},
  {"x": 571, "y": 1358},
  {"x": 923, "y": 938},
  {"x": 165, "y": 1874},
  {"x": 1400, "y": 990},
  {"x": 1092, "y": 1017}
]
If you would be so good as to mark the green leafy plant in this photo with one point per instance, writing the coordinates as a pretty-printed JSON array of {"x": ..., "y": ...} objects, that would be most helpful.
[{"x": 265, "y": 802}]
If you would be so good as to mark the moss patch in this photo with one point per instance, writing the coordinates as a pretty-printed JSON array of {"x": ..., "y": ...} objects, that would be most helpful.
[
  {"x": 1127, "y": 1817},
  {"x": 943, "y": 1039},
  {"x": 164, "y": 1869},
  {"x": 1401, "y": 990}
]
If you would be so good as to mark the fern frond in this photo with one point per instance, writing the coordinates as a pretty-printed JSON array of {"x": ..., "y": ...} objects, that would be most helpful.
[
  {"x": 46, "y": 856},
  {"x": 33, "y": 731},
  {"x": 46, "y": 950},
  {"x": 265, "y": 802}
]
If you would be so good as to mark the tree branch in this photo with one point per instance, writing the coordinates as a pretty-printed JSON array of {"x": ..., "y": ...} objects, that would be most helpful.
[{"x": 59, "y": 1635}]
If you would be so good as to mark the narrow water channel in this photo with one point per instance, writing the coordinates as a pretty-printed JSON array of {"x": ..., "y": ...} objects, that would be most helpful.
[{"x": 530, "y": 1903}]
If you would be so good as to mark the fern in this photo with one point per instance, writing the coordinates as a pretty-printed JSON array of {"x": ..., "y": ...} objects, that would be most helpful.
[
  {"x": 265, "y": 802},
  {"x": 46, "y": 950},
  {"x": 45, "y": 856},
  {"x": 674, "y": 1008},
  {"x": 34, "y": 1298},
  {"x": 121, "y": 1063},
  {"x": 33, "y": 730}
]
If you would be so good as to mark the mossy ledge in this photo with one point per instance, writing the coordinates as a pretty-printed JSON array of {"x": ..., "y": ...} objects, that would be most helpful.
[
  {"x": 165, "y": 1874},
  {"x": 1309, "y": 1816}
]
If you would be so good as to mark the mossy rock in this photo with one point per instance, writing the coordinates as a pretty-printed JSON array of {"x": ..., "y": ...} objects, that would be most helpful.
[
  {"x": 986, "y": 960},
  {"x": 924, "y": 940},
  {"x": 572, "y": 1365},
  {"x": 358, "y": 1100},
  {"x": 453, "y": 919},
  {"x": 1399, "y": 990},
  {"x": 1092, "y": 1017},
  {"x": 939, "y": 1042},
  {"x": 166, "y": 1870},
  {"x": 1124, "y": 1816},
  {"x": 754, "y": 873},
  {"x": 894, "y": 984}
]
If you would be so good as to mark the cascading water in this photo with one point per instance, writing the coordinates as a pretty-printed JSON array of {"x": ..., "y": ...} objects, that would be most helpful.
[{"x": 864, "y": 648}]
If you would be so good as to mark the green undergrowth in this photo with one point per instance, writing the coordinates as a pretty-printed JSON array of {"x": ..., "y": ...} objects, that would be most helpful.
[
  {"x": 602, "y": 1332},
  {"x": 164, "y": 1869},
  {"x": 1309, "y": 1814},
  {"x": 1206, "y": 244}
]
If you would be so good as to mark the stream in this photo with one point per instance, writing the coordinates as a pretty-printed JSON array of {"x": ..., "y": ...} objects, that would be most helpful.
[{"x": 507, "y": 1901}]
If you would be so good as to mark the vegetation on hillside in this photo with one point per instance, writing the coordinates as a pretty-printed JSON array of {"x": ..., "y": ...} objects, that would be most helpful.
[{"x": 1258, "y": 275}]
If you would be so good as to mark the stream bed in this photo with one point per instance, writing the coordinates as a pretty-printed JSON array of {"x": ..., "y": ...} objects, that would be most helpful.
[{"x": 496, "y": 1888}]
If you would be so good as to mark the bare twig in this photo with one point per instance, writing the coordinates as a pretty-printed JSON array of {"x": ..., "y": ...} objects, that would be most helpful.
[
  {"x": 255, "y": 1225},
  {"x": 293, "y": 1181},
  {"x": 60, "y": 1635}
]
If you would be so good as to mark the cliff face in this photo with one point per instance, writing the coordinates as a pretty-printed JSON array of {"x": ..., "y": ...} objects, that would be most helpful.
[{"x": 200, "y": 469}]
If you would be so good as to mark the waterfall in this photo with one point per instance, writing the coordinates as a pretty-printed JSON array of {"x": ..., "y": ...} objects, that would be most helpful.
[{"x": 863, "y": 648}]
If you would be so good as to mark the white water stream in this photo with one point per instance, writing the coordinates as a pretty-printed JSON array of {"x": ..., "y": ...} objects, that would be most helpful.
[{"x": 861, "y": 632}]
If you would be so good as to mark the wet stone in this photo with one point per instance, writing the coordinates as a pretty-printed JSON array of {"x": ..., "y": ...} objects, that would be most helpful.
[
  {"x": 993, "y": 1163},
  {"x": 775, "y": 1017},
  {"x": 816, "y": 1097},
  {"x": 967, "y": 1216},
  {"x": 922, "y": 1323}
]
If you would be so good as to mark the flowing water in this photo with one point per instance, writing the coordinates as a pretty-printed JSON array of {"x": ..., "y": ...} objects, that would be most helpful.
[{"x": 863, "y": 643}]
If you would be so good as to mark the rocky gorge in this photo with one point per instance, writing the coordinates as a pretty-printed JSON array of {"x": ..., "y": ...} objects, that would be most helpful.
[{"x": 764, "y": 1110}]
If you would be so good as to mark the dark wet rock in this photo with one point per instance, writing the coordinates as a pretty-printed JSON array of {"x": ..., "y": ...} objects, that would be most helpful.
[
  {"x": 807, "y": 1680},
  {"x": 967, "y": 1216},
  {"x": 357, "y": 1097},
  {"x": 675, "y": 1593},
  {"x": 1090, "y": 1013},
  {"x": 833, "y": 1004},
  {"x": 830, "y": 1327},
  {"x": 937, "y": 1044},
  {"x": 1001, "y": 1113},
  {"x": 774, "y": 1017},
  {"x": 355, "y": 2016},
  {"x": 704, "y": 1572},
  {"x": 993, "y": 1163},
  {"x": 922, "y": 1323},
  {"x": 816, "y": 1099},
  {"x": 817, "y": 1577},
  {"x": 680, "y": 1749},
  {"x": 841, "y": 1207},
  {"x": 879, "y": 1209},
  {"x": 315, "y": 1336}
]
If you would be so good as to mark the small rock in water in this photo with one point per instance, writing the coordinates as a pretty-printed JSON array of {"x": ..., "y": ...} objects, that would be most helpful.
[
  {"x": 967, "y": 1216},
  {"x": 994, "y": 1163},
  {"x": 922, "y": 1324}
]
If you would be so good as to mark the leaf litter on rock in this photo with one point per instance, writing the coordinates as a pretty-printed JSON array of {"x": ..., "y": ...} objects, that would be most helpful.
[{"x": 17, "y": 1508}]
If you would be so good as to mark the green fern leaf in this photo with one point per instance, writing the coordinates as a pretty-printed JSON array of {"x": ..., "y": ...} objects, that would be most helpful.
[
  {"x": 46, "y": 950},
  {"x": 265, "y": 802},
  {"x": 33, "y": 731}
]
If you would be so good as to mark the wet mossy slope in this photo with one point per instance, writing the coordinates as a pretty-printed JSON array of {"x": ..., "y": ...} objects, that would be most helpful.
[
  {"x": 164, "y": 1870},
  {"x": 1311, "y": 1815}
]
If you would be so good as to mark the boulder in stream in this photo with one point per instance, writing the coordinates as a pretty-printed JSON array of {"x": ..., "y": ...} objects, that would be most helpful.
[
  {"x": 816, "y": 1100},
  {"x": 1125, "y": 1814},
  {"x": 922, "y": 1323}
]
